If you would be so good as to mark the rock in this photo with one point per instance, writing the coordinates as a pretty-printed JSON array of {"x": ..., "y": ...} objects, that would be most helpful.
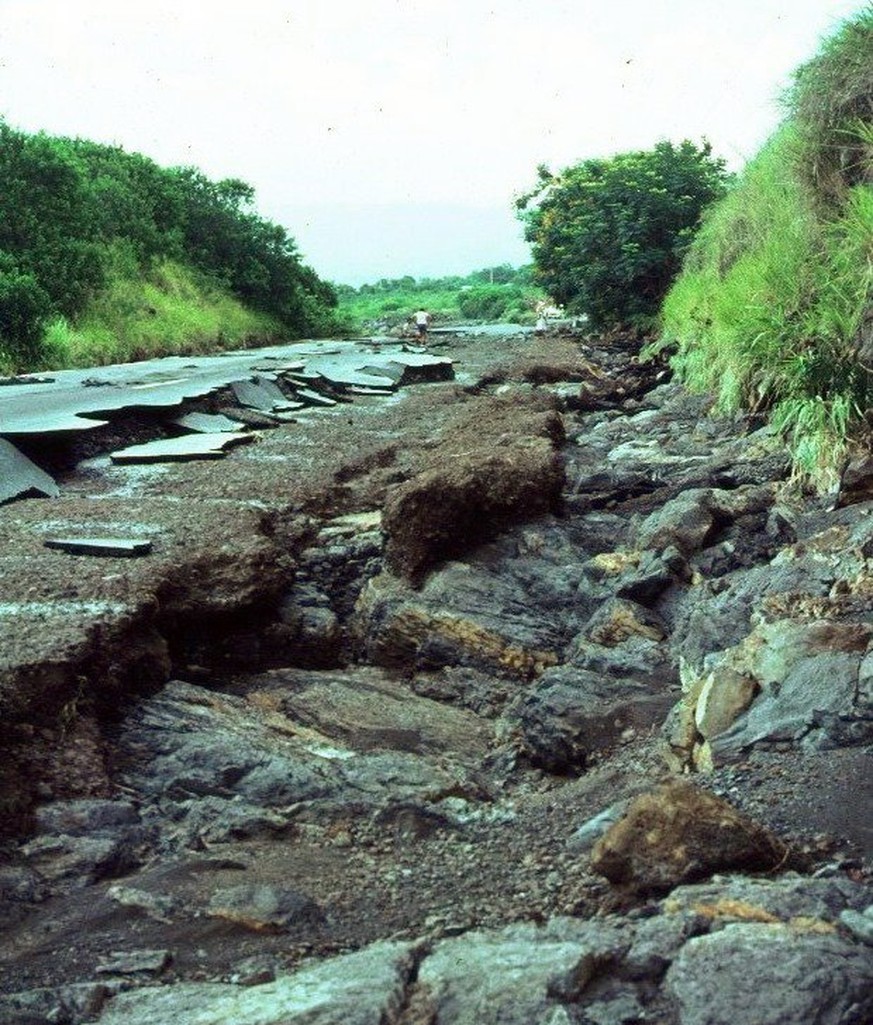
[
  {"x": 684, "y": 523},
  {"x": 80, "y": 860},
  {"x": 808, "y": 675},
  {"x": 159, "y": 906},
  {"x": 678, "y": 833},
  {"x": 619, "y": 619},
  {"x": 571, "y": 714},
  {"x": 265, "y": 908},
  {"x": 401, "y": 629},
  {"x": 84, "y": 817},
  {"x": 135, "y": 962},
  {"x": 771, "y": 974},
  {"x": 584, "y": 838},
  {"x": 61, "y": 1005},
  {"x": 859, "y": 924},
  {"x": 365, "y": 709},
  {"x": 363, "y": 988},
  {"x": 496, "y": 978},
  {"x": 723, "y": 696}
]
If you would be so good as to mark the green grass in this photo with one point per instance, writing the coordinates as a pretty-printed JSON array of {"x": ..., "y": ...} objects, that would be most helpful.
[
  {"x": 171, "y": 311},
  {"x": 768, "y": 309}
]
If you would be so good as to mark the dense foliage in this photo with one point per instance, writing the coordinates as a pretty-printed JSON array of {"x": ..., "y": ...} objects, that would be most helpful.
[
  {"x": 73, "y": 213},
  {"x": 771, "y": 307},
  {"x": 608, "y": 235},
  {"x": 501, "y": 293}
]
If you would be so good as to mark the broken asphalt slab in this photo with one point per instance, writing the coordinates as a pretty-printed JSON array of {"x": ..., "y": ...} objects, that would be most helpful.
[
  {"x": 119, "y": 547},
  {"x": 174, "y": 450},
  {"x": 77, "y": 400},
  {"x": 19, "y": 476}
]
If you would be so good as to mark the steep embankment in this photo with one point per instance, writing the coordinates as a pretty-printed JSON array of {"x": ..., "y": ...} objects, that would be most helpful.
[
  {"x": 773, "y": 311},
  {"x": 105, "y": 256},
  {"x": 403, "y": 712}
]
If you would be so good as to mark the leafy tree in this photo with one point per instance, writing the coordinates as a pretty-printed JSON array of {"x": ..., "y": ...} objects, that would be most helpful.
[{"x": 608, "y": 235}]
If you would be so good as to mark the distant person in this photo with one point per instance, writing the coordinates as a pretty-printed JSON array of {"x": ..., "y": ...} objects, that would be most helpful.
[
  {"x": 422, "y": 319},
  {"x": 541, "y": 325}
]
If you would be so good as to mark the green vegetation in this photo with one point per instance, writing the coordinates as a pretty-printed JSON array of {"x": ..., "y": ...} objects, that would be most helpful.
[
  {"x": 500, "y": 293},
  {"x": 608, "y": 235},
  {"x": 105, "y": 255},
  {"x": 770, "y": 308}
]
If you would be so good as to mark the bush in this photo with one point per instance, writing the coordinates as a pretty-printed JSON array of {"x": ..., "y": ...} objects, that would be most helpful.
[
  {"x": 24, "y": 307},
  {"x": 608, "y": 235}
]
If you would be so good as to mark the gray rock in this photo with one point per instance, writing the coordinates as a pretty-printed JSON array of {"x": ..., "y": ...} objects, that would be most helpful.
[
  {"x": 262, "y": 907},
  {"x": 62, "y": 1005},
  {"x": 85, "y": 817},
  {"x": 364, "y": 988},
  {"x": 859, "y": 924},
  {"x": 683, "y": 523},
  {"x": 135, "y": 962},
  {"x": 584, "y": 838},
  {"x": 501, "y": 977},
  {"x": 771, "y": 975},
  {"x": 571, "y": 714}
]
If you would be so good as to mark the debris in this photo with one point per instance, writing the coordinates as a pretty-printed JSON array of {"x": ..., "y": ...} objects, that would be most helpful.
[
  {"x": 260, "y": 393},
  {"x": 206, "y": 423},
  {"x": 174, "y": 450},
  {"x": 18, "y": 475},
  {"x": 118, "y": 547}
]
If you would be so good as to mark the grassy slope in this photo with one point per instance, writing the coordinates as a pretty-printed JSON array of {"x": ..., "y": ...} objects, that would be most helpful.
[
  {"x": 172, "y": 310},
  {"x": 768, "y": 310}
]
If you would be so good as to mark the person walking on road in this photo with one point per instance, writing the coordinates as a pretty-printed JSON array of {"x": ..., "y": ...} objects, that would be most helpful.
[{"x": 422, "y": 319}]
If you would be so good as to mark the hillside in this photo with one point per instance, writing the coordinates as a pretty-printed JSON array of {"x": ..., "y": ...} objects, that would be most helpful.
[
  {"x": 106, "y": 256},
  {"x": 773, "y": 309}
]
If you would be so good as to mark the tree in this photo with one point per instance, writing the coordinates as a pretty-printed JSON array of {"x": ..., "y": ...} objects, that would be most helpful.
[{"x": 608, "y": 235}]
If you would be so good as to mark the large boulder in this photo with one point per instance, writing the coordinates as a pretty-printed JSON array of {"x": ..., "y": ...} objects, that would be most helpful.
[{"x": 678, "y": 834}]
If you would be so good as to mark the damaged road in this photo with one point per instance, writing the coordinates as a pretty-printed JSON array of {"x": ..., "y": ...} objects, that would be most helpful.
[{"x": 490, "y": 701}]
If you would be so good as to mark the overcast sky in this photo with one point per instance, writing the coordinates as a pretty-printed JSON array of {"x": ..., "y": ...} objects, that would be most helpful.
[{"x": 390, "y": 136}]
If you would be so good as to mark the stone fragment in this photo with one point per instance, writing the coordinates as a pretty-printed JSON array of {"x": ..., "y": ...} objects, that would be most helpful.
[
  {"x": 679, "y": 833},
  {"x": 160, "y": 906},
  {"x": 859, "y": 924},
  {"x": 135, "y": 962},
  {"x": 85, "y": 816},
  {"x": 684, "y": 523},
  {"x": 571, "y": 714},
  {"x": 619, "y": 619},
  {"x": 262, "y": 907},
  {"x": 73, "y": 1004},
  {"x": 724, "y": 696},
  {"x": 584, "y": 838}
]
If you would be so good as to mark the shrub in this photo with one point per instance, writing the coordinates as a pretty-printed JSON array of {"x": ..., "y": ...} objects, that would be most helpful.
[{"x": 608, "y": 235}]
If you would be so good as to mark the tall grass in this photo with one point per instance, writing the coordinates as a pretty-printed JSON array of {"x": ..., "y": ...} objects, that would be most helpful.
[
  {"x": 173, "y": 310},
  {"x": 768, "y": 310}
]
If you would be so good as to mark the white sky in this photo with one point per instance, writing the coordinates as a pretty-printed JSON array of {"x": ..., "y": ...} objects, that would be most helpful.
[{"x": 389, "y": 136}]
